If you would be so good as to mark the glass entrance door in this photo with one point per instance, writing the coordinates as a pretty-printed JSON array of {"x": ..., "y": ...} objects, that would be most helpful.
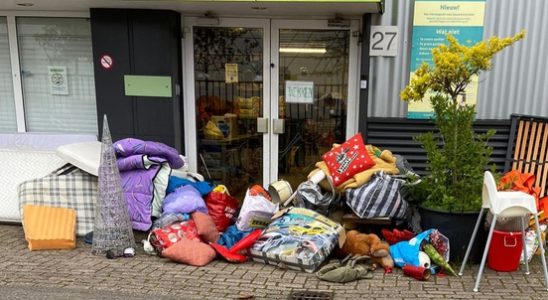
[
  {"x": 264, "y": 99},
  {"x": 229, "y": 90},
  {"x": 314, "y": 87}
]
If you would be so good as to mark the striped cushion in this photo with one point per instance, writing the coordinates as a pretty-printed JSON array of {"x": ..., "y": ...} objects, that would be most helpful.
[{"x": 48, "y": 227}]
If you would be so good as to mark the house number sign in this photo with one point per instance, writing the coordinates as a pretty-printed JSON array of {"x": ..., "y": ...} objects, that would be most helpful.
[{"x": 383, "y": 41}]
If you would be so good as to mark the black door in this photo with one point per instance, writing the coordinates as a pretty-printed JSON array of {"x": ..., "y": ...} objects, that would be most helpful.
[{"x": 138, "y": 42}]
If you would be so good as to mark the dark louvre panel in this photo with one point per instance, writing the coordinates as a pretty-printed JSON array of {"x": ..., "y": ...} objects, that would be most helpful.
[{"x": 396, "y": 135}]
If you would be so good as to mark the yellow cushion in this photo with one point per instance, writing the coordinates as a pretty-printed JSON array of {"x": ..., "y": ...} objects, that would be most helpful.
[{"x": 49, "y": 227}]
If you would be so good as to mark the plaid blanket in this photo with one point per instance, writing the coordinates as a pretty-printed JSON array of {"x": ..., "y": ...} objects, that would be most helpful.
[{"x": 67, "y": 187}]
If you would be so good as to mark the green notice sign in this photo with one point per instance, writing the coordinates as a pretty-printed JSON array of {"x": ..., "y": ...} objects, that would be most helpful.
[{"x": 147, "y": 86}]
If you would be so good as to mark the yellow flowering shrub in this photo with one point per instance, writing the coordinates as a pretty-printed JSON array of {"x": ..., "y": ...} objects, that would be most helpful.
[{"x": 454, "y": 66}]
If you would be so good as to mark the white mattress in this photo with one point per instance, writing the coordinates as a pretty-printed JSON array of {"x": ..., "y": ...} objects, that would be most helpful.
[
  {"x": 86, "y": 155},
  {"x": 18, "y": 166},
  {"x": 41, "y": 141}
]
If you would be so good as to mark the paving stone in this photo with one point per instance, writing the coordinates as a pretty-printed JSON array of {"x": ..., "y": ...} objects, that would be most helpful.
[{"x": 157, "y": 278}]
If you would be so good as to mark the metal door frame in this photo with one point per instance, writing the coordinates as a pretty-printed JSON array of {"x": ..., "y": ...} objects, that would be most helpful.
[
  {"x": 352, "y": 103},
  {"x": 270, "y": 29}
]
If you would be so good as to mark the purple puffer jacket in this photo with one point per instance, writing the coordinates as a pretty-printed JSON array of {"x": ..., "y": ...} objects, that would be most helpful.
[
  {"x": 131, "y": 146},
  {"x": 139, "y": 163}
]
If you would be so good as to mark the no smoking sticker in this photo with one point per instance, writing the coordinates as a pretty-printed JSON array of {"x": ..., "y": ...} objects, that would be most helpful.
[{"x": 106, "y": 62}]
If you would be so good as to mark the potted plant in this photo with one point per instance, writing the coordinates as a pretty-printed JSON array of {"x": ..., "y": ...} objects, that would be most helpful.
[{"x": 456, "y": 155}]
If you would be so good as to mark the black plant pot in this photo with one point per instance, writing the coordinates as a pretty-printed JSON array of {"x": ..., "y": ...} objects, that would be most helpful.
[{"x": 458, "y": 227}]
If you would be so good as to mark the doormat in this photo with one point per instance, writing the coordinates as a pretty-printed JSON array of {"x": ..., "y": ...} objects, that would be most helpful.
[{"x": 309, "y": 295}]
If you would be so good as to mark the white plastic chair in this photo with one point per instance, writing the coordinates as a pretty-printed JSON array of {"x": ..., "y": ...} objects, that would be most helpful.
[{"x": 504, "y": 204}]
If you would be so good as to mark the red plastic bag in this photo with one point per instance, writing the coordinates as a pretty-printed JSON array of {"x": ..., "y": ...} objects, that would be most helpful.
[
  {"x": 222, "y": 209},
  {"x": 226, "y": 254},
  {"x": 234, "y": 254},
  {"x": 165, "y": 237}
]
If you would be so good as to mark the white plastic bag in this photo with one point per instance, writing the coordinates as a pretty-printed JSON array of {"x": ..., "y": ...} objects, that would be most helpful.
[{"x": 257, "y": 210}]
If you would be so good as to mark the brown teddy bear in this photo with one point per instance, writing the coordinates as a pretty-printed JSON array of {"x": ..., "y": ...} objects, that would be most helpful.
[{"x": 370, "y": 245}]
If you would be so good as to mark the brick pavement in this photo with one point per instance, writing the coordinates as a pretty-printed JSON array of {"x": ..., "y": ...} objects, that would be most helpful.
[{"x": 78, "y": 274}]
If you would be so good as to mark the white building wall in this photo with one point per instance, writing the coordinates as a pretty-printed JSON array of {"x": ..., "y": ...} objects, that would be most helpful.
[{"x": 517, "y": 83}]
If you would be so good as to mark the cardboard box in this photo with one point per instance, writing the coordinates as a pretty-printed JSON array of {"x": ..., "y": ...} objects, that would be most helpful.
[{"x": 228, "y": 124}]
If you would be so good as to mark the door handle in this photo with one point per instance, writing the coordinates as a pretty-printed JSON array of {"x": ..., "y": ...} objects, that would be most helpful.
[
  {"x": 278, "y": 126},
  {"x": 262, "y": 125}
]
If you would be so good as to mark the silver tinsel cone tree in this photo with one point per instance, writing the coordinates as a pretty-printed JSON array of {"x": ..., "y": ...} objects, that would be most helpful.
[{"x": 112, "y": 228}]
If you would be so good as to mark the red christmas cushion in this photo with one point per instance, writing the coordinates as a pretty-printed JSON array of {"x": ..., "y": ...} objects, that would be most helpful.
[
  {"x": 165, "y": 237},
  {"x": 347, "y": 160}
]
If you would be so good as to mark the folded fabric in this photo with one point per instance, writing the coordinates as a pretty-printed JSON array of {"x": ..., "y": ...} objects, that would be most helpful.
[
  {"x": 175, "y": 182},
  {"x": 190, "y": 252},
  {"x": 346, "y": 270},
  {"x": 384, "y": 160},
  {"x": 186, "y": 200},
  {"x": 131, "y": 146},
  {"x": 168, "y": 219}
]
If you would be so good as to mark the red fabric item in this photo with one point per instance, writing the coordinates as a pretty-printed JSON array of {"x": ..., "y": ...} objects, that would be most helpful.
[
  {"x": 247, "y": 241},
  {"x": 221, "y": 208},
  {"x": 190, "y": 252},
  {"x": 227, "y": 254},
  {"x": 395, "y": 236},
  {"x": 205, "y": 226},
  {"x": 347, "y": 160},
  {"x": 165, "y": 237},
  {"x": 543, "y": 204}
]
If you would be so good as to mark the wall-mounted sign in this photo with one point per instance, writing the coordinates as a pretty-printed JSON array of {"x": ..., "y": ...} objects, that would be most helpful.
[
  {"x": 106, "y": 61},
  {"x": 147, "y": 86},
  {"x": 57, "y": 77},
  {"x": 383, "y": 41},
  {"x": 231, "y": 73},
  {"x": 299, "y": 92},
  {"x": 433, "y": 20}
]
